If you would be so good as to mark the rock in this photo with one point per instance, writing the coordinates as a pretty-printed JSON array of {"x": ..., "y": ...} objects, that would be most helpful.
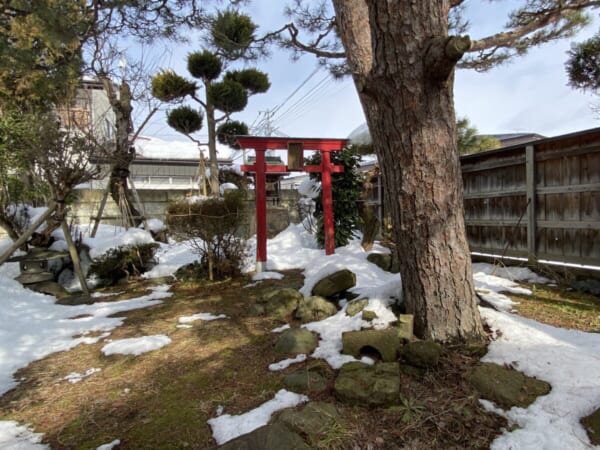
[
  {"x": 296, "y": 341},
  {"x": 256, "y": 310},
  {"x": 334, "y": 284},
  {"x": 385, "y": 342},
  {"x": 281, "y": 302},
  {"x": 356, "y": 306},
  {"x": 381, "y": 260},
  {"x": 405, "y": 326},
  {"x": 590, "y": 286},
  {"x": 361, "y": 384},
  {"x": 314, "y": 420},
  {"x": 506, "y": 387},
  {"x": 591, "y": 424},
  {"x": 50, "y": 288},
  {"x": 424, "y": 354},
  {"x": 312, "y": 379},
  {"x": 314, "y": 308},
  {"x": 369, "y": 316},
  {"x": 270, "y": 437}
]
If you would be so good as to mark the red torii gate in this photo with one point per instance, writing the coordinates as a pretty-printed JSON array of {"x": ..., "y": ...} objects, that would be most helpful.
[{"x": 295, "y": 147}]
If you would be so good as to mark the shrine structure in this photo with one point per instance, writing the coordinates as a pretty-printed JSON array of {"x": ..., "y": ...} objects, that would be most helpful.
[{"x": 295, "y": 148}]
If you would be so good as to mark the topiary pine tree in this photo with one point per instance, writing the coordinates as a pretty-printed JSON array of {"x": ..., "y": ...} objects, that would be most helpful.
[
  {"x": 231, "y": 39},
  {"x": 346, "y": 192}
]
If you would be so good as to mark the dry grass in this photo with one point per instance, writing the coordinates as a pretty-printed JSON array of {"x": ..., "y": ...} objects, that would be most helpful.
[
  {"x": 162, "y": 399},
  {"x": 561, "y": 307}
]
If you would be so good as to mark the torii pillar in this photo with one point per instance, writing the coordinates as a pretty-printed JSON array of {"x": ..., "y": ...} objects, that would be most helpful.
[{"x": 260, "y": 145}]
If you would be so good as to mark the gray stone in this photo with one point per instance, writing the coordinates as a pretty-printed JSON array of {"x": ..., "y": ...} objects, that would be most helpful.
[
  {"x": 386, "y": 342},
  {"x": 314, "y": 308},
  {"x": 280, "y": 303},
  {"x": 361, "y": 384},
  {"x": 506, "y": 387},
  {"x": 270, "y": 437},
  {"x": 591, "y": 424},
  {"x": 381, "y": 260},
  {"x": 311, "y": 379},
  {"x": 314, "y": 420},
  {"x": 296, "y": 341},
  {"x": 50, "y": 288},
  {"x": 423, "y": 354},
  {"x": 334, "y": 284},
  {"x": 356, "y": 306}
]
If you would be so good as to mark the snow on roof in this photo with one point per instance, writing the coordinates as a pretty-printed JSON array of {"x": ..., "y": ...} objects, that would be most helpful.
[{"x": 155, "y": 148}]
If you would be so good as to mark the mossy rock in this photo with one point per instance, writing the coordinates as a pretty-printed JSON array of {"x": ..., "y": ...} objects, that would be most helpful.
[
  {"x": 314, "y": 420},
  {"x": 405, "y": 327},
  {"x": 369, "y": 316},
  {"x": 314, "y": 308},
  {"x": 507, "y": 387},
  {"x": 385, "y": 342},
  {"x": 296, "y": 341},
  {"x": 424, "y": 354},
  {"x": 356, "y": 306},
  {"x": 314, "y": 378},
  {"x": 270, "y": 437},
  {"x": 361, "y": 384},
  {"x": 591, "y": 424},
  {"x": 335, "y": 284},
  {"x": 280, "y": 303},
  {"x": 381, "y": 260}
]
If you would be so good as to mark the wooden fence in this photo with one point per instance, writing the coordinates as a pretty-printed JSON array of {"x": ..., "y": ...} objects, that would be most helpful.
[{"x": 539, "y": 200}]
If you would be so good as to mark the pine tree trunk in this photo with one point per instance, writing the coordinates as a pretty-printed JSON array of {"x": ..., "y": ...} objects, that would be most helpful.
[
  {"x": 404, "y": 78},
  {"x": 212, "y": 150}
]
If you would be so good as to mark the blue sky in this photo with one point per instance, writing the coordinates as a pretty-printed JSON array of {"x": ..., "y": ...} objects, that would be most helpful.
[{"x": 527, "y": 95}]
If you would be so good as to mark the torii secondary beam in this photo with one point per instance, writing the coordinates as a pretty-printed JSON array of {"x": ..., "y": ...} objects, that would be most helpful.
[{"x": 261, "y": 144}]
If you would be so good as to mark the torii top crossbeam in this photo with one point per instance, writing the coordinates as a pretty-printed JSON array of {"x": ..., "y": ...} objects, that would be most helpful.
[{"x": 295, "y": 148}]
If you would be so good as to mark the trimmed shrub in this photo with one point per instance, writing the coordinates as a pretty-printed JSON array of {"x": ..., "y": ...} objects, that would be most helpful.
[
  {"x": 123, "y": 262},
  {"x": 211, "y": 226}
]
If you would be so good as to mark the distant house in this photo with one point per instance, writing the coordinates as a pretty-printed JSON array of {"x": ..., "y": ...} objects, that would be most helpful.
[
  {"x": 510, "y": 139},
  {"x": 89, "y": 111}
]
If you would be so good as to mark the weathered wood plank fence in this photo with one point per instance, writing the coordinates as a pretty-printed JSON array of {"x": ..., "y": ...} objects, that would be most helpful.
[{"x": 540, "y": 200}]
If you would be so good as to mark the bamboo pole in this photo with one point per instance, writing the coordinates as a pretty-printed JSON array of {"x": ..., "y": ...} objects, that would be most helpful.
[{"x": 75, "y": 258}]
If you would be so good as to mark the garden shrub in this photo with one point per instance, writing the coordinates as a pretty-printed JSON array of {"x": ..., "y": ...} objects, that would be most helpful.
[
  {"x": 123, "y": 262},
  {"x": 211, "y": 227}
]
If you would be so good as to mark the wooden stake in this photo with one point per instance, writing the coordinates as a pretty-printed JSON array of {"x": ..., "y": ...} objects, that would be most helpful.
[
  {"x": 75, "y": 258},
  {"x": 19, "y": 242}
]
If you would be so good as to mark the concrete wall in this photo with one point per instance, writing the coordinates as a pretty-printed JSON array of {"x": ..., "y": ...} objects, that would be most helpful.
[{"x": 280, "y": 212}]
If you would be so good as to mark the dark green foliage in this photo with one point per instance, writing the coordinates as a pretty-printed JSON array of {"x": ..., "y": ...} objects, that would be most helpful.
[
  {"x": 184, "y": 119},
  {"x": 232, "y": 33},
  {"x": 122, "y": 262},
  {"x": 346, "y": 192},
  {"x": 167, "y": 86},
  {"x": 583, "y": 66},
  {"x": 228, "y": 96},
  {"x": 227, "y": 175},
  {"x": 253, "y": 80},
  {"x": 468, "y": 141},
  {"x": 204, "y": 65},
  {"x": 227, "y": 132},
  {"x": 212, "y": 227}
]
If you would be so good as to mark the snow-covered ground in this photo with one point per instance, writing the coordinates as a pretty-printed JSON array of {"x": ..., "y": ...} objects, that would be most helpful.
[{"x": 568, "y": 360}]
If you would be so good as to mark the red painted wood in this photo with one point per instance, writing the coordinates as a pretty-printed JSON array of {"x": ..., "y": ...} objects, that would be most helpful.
[
  {"x": 260, "y": 144},
  {"x": 327, "y": 203},
  {"x": 260, "y": 186}
]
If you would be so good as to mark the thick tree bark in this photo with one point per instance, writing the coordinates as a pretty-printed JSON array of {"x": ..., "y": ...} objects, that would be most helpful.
[{"x": 406, "y": 90}]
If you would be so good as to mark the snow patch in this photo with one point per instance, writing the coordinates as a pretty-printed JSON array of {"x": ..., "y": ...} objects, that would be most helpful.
[
  {"x": 201, "y": 316},
  {"x": 284, "y": 364},
  {"x": 136, "y": 346}
]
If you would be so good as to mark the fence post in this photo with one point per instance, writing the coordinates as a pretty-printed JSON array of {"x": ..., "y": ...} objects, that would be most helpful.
[{"x": 530, "y": 184}]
